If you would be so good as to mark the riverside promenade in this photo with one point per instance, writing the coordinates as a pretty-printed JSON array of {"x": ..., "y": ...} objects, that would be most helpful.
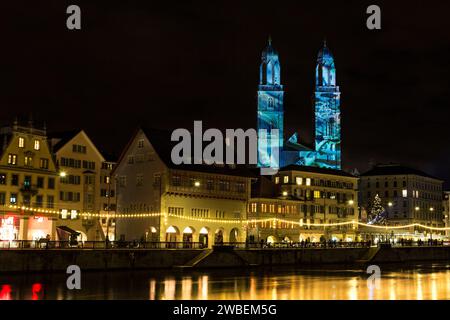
[{"x": 55, "y": 257}]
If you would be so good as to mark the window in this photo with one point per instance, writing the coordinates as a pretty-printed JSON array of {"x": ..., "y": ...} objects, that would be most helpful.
[
  {"x": 39, "y": 200},
  {"x": 395, "y": 194},
  {"x": 71, "y": 179},
  {"x": 157, "y": 180},
  {"x": 88, "y": 165},
  {"x": 277, "y": 180},
  {"x": 40, "y": 182},
  {"x": 122, "y": 181},
  {"x": 2, "y": 178},
  {"x": 308, "y": 181},
  {"x": 28, "y": 161},
  {"x": 51, "y": 183},
  {"x": 210, "y": 185},
  {"x": 253, "y": 207},
  {"x": 139, "y": 179},
  {"x": 12, "y": 159},
  {"x": 50, "y": 201},
  {"x": 404, "y": 193},
  {"x": 15, "y": 180},
  {"x": 89, "y": 180},
  {"x": 43, "y": 163},
  {"x": 78, "y": 148},
  {"x": 73, "y": 214},
  {"x": 141, "y": 143},
  {"x": 176, "y": 180},
  {"x": 130, "y": 159},
  {"x": 299, "y": 180},
  {"x": 316, "y": 194},
  {"x": 240, "y": 187},
  {"x": 27, "y": 181},
  {"x": 13, "y": 198},
  {"x": 21, "y": 142},
  {"x": 37, "y": 145},
  {"x": 2, "y": 198},
  {"x": 286, "y": 179},
  {"x": 70, "y": 162}
]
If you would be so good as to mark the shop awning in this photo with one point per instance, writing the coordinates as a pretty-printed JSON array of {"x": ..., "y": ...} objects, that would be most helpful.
[{"x": 68, "y": 230}]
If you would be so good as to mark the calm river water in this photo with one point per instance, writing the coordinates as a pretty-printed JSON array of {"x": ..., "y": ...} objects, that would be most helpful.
[{"x": 413, "y": 282}]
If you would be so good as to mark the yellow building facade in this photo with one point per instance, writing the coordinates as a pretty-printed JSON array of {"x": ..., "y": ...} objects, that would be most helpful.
[
  {"x": 86, "y": 194},
  {"x": 303, "y": 199},
  {"x": 160, "y": 201},
  {"x": 28, "y": 184}
]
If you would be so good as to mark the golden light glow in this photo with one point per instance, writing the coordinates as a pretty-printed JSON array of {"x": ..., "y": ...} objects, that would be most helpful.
[{"x": 227, "y": 221}]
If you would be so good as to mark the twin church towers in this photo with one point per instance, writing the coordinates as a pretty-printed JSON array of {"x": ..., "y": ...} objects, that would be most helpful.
[{"x": 273, "y": 150}]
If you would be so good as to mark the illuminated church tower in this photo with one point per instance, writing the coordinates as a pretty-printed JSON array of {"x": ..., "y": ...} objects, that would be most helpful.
[
  {"x": 270, "y": 109},
  {"x": 327, "y": 113}
]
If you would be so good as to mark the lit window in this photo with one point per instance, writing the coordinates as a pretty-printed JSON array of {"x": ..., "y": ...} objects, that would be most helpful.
[
  {"x": 277, "y": 180},
  {"x": 253, "y": 207},
  {"x": 308, "y": 181},
  {"x": 316, "y": 194},
  {"x": 28, "y": 161},
  {"x": 286, "y": 179},
  {"x": 299, "y": 180},
  {"x": 12, "y": 158},
  {"x": 64, "y": 214},
  {"x": 37, "y": 145},
  {"x": 404, "y": 193},
  {"x": 73, "y": 214},
  {"x": 13, "y": 198},
  {"x": 21, "y": 142}
]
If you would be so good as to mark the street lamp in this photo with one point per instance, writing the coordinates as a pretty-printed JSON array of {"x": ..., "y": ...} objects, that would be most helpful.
[{"x": 62, "y": 174}]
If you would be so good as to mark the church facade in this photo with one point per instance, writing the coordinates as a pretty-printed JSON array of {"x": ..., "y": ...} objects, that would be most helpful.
[{"x": 326, "y": 152}]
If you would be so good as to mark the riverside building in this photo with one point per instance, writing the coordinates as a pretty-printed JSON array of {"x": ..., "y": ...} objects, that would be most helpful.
[
  {"x": 300, "y": 197},
  {"x": 86, "y": 197},
  {"x": 160, "y": 201},
  {"x": 28, "y": 184},
  {"x": 408, "y": 195}
]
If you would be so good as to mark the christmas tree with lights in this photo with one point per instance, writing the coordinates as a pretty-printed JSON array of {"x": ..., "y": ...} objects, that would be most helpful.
[{"x": 377, "y": 212}]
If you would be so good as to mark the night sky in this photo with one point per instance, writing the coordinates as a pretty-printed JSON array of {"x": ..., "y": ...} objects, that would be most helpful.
[{"x": 165, "y": 65}]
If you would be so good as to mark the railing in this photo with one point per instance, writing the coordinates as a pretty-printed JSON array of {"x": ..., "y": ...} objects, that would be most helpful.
[
  {"x": 331, "y": 244},
  {"x": 43, "y": 244},
  {"x": 296, "y": 245}
]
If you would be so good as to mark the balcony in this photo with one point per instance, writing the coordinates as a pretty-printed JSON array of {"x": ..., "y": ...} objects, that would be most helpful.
[{"x": 29, "y": 189}]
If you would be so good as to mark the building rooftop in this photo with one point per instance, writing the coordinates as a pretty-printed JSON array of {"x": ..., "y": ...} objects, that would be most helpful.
[
  {"x": 294, "y": 167},
  {"x": 395, "y": 169},
  {"x": 161, "y": 142}
]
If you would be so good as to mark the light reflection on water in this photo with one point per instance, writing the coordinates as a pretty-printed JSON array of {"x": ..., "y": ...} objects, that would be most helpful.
[{"x": 418, "y": 282}]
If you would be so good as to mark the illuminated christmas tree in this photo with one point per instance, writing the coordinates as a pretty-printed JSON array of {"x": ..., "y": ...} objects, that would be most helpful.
[{"x": 377, "y": 212}]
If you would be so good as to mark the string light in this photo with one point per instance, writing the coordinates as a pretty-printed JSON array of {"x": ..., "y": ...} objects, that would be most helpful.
[{"x": 271, "y": 221}]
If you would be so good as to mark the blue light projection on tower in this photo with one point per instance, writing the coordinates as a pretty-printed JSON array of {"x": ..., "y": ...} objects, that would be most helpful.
[
  {"x": 270, "y": 109},
  {"x": 327, "y": 113}
]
